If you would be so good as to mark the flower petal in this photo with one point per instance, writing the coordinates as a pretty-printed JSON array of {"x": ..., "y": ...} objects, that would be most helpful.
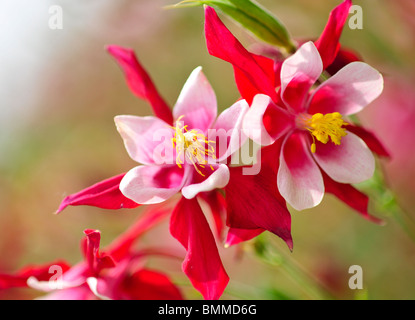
[
  {"x": 253, "y": 202},
  {"x": 146, "y": 138},
  {"x": 350, "y": 196},
  {"x": 140, "y": 82},
  {"x": 105, "y": 194},
  {"x": 298, "y": 73},
  {"x": 299, "y": 178},
  {"x": 41, "y": 272},
  {"x": 227, "y": 130},
  {"x": 218, "y": 179},
  {"x": 222, "y": 44},
  {"x": 217, "y": 204},
  {"x": 348, "y": 91},
  {"x": 202, "y": 263},
  {"x": 121, "y": 247},
  {"x": 152, "y": 184},
  {"x": 266, "y": 122},
  {"x": 147, "y": 284},
  {"x": 370, "y": 139},
  {"x": 236, "y": 236},
  {"x": 196, "y": 102},
  {"x": 349, "y": 162},
  {"x": 328, "y": 44}
]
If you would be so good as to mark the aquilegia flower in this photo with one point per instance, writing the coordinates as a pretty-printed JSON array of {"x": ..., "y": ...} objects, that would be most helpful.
[
  {"x": 184, "y": 150},
  {"x": 255, "y": 74},
  {"x": 312, "y": 125},
  {"x": 184, "y": 157},
  {"x": 117, "y": 273}
]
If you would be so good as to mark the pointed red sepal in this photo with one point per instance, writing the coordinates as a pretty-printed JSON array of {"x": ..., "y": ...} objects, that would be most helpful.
[
  {"x": 105, "y": 194},
  {"x": 253, "y": 202},
  {"x": 350, "y": 196},
  {"x": 251, "y": 78},
  {"x": 140, "y": 82},
  {"x": 328, "y": 44},
  {"x": 202, "y": 263},
  {"x": 370, "y": 139}
]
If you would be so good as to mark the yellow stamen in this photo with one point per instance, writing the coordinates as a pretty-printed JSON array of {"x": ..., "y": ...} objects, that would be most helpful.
[
  {"x": 322, "y": 127},
  {"x": 193, "y": 146}
]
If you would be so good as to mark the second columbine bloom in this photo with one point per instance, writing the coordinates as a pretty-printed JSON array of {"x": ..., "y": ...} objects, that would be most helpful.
[{"x": 311, "y": 121}]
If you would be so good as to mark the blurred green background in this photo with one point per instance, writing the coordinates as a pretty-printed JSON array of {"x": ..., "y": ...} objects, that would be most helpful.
[{"x": 59, "y": 92}]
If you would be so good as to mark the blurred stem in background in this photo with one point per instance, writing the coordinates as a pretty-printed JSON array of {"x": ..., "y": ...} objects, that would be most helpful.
[
  {"x": 271, "y": 255},
  {"x": 386, "y": 202}
]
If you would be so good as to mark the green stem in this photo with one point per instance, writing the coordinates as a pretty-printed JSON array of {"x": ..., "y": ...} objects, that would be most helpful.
[{"x": 310, "y": 285}]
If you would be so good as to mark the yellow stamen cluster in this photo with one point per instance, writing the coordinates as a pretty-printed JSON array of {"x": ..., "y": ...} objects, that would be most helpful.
[
  {"x": 193, "y": 146},
  {"x": 322, "y": 127}
]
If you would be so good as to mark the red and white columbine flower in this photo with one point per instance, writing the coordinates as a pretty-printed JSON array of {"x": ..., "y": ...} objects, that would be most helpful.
[
  {"x": 184, "y": 157},
  {"x": 312, "y": 125},
  {"x": 119, "y": 273}
]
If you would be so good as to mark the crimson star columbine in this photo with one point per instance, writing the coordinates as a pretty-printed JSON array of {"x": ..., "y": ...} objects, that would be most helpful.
[
  {"x": 310, "y": 122},
  {"x": 184, "y": 157}
]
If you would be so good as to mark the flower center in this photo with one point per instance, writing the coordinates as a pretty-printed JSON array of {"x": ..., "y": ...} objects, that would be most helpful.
[
  {"x": 322, "y": 127},
  {"x": 193, "y": 146}
]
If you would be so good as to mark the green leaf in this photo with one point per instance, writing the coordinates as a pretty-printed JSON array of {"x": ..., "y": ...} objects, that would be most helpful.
[{"x": 251, "y": 16}]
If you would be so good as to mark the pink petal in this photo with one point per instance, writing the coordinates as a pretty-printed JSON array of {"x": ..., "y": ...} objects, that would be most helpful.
[
  {"x": 328, "y": 44},
  {"x": 266, "y": 122},
  {"x": 298, "y": 73},
  {"x": 253, "y": 202},
  {"x": 105, "y": 194},
  {"x": 350, "y": 196},
  {"x": 299, "y": 178},
  {"x": 197, "y": 102},
  {"x": 147, "y": 139},
  {"x": 236, "y": 236},
  {"x": 227, "y": 130},
  {"x": 349, "y": 162},
  {"x": 152, "y": 184},
  {"x": 19, "y": 278},
  {"x": 78, "y": 293},
  {"x": 370, "y": 139},
  {"x": 222, "y": 44},
  {"x": 218, "y": 179},
  {"x": 140, "y": 82},
  {"x": 202, "y": 263},
  {"x": 348, "y": 91}
]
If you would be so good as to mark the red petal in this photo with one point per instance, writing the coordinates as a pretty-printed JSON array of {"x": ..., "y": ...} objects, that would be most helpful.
[
  {"x": 350, "y": 196},
  {"x": 253, "y": 202},
  {"x": 328, "y": 44},
  {"x": 42, "y": 273},
  {"x": 370, "y": 139},
  {"x": 140, "y": 82},
  {"x": 343, "y": 58},
  {"x": 202, "y": 263},
  {"x": 121, "y": 246},
  {"x": 105, "y": 194},
  {"x": 95, "y": 260},
  {"x": 251, "y": 78},
  {"x": 149, "y": 285},
  {"x": 236, "y": 236}
]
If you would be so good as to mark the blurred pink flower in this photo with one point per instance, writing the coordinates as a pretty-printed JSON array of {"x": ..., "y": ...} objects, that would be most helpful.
[{"x": 118, "y": 273}]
